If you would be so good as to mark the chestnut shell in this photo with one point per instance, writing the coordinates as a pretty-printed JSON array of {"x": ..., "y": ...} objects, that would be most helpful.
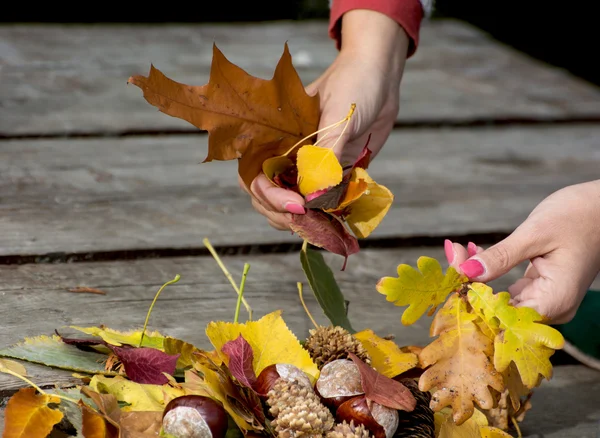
[{"x": 212, "y": 411}]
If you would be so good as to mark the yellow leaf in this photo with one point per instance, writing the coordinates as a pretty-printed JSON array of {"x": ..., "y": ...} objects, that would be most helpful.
[
  {"x": 422, "y": 290},
  {"x": 354, "y": 190},
  {"x": 118, "y": 338},
  {"x": 271, "y": 341},
  {"x": 459, "y": 360},
  {"x": 28, "y": 415},
  {"x": 522, "y": 337},
  {"x": 140, "y": 397},
  {"x": 515, "y": 386},
  {"x": 445, "y": 427},
  {"x": 318, "y": 168},
  {"x": 366, "y": 213},
  {"x": 386, "y": 356},
  {"x": 13, "y": 366},
  {"x": 276, "y": 165},
  {"x": 493, "y": 432}
]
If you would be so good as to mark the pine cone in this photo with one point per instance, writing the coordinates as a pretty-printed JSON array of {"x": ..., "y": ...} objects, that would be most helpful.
[
  {"x": 419, "y": 422},
  {"x": 297, "y": 411},
  {"x": 326, "y": 344},
  {"x": 345, "y": 430}
]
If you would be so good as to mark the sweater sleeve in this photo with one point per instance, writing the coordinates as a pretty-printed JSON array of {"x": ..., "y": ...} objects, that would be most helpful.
[{"x": 408, "y": 14}]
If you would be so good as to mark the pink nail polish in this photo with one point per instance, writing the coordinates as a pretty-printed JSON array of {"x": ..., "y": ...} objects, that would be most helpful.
[
  {"x": 471, "y": 249},
  {"x": 449, "y": 250},
  {"x": 294, "y": 208},
  {"x": 472, "y": 268}
]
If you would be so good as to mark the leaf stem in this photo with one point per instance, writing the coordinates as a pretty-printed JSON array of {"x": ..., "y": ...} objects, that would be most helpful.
[
  {"x": 516, "y": 426},
  {"x": 40, "y": 390},
  {"x": 241, "y": 295},
  {"x": 352, "y": 108},
  {"x": 304, "y": 305},
  {"x": 175, "y": 280},
  {"x": 227, "y": 275}
]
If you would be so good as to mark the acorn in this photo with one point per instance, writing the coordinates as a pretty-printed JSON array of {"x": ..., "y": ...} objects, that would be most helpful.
[
  {"x": 380, "y": 420},
  {"x": 195, "y": 416},
  {"x": 338, "y": 382},
  {"x": 271, "y": 374}
]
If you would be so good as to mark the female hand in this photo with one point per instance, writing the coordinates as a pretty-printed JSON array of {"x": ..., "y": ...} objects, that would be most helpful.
[
  {"x": 561, "y": 238},
  {"x": 367, "y": 72}
]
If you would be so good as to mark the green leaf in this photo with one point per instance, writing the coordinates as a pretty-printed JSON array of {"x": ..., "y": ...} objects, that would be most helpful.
[
  {"x": 51, "y": 351},
  {"x": 325, "y": 287}
]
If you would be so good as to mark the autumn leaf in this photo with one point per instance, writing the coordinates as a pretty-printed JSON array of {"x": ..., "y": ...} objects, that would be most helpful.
[
  {"x": 29, "y": 415},
  {"x": 422, "y": 290},
  {"x": 141, "y": 424},
  {"x": 459, "y": 360},
  {"x": 182, "y": 348},
  {"x": 103, "y": 423},
  {"x": 523, "y": 338},
  {"x": 240, "y": 357},
  {"x": 270, "y": 339},
  {"x": 11, "y": 365},
  {"x": 514, "y": 385},
  {"x": 120, "y": 338},
  {"x": 329, "y": 200},
  {"x": 318, "y": 169},
  {"x": 386, "y": 356},
  {"x": 475, "y": 427},
  {"x": 238, "y": 110},
  {"x": 382, "y": 389},
  {"x": 493, "y": 432},
  {"x": 146, "y": 365}
]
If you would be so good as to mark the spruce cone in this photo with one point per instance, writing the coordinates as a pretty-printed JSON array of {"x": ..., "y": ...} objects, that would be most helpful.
[
  {"x": 297, "y": 411},
  {"x": 419, "y": 422},
  {"x": 326, "y": 344},
  {"x": 345, "y": 430}
]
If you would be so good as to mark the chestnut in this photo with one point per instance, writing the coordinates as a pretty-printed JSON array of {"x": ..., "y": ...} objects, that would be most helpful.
[
  {"x": 381, "y": 421},
  {"x": 338, "y": 382},
  {"x": 195, "y": 416},
  {"x": 268, "y": 376}
]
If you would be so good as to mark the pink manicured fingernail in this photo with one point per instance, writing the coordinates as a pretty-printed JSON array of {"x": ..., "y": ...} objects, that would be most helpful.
[
  {"x": 449, "y": 250},
  {"x": 471, "y": 249},
  {"x": 472, "y": 268},
  {"x": 294, "y": 208}
]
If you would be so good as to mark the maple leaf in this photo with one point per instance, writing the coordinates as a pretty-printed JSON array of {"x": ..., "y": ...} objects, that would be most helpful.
[
  {"x": 240, "y": 356},
  {"x": 28, "y": 414},
  {"x": 146, "y": 365},
  {"x": 237, "y": 109},
  {"x": 270, "y": 339},
  {"x": 422, "y": 290},
  {"x": 459, "y": 361},
  {"x": 522, "y": 339},
  {"x": 386, "y": 356}
]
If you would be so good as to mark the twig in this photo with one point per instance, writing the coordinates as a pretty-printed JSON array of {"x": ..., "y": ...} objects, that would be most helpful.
[
  {"x": 241, "y": 295},
  {"x": 175, "y": 280}
]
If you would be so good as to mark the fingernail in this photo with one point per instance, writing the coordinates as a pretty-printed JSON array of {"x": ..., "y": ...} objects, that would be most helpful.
[
  {"x": 471, "y": 249},
  {"x": 294, "y": 208},
  {"x": 449, "y": 250},
  {"x": 472, "y": 268}
]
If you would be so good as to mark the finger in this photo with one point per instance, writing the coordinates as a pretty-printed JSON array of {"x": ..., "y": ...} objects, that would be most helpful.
[
  {"x": 276, "y": 199},
  {"x": 455, "y": 253},
  {"x": 515, "y": 290},
  {"x": 531, "y": 271},
  {"x": 279, "y": 221}
]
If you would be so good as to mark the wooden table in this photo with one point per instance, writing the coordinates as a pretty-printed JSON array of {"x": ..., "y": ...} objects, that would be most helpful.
[{"x": 98, "y": 189}]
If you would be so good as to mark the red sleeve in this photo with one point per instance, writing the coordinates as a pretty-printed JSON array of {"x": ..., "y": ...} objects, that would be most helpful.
[{"x": 408, "y": 14}]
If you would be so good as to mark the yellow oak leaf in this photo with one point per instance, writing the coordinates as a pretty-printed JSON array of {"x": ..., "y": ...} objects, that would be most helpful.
[
  {"x": 27, "y": 414},
  {"x": 365, "y": 213},
  {"x": 422, "y": 290},
  {"x": 318, "y": 169},
  {"x": 522, "y": 339},
  {"x": 14, "y": 366},
  {"x": 271, "y": 341},
  {"x": 460, "y": 363},
  {"x": 118, "y": 338},
  {"x": 493, "y": 432},
  {"x": 445, "y": 427},
  {"x": 386, "y": 356},
  {"x": 138, "y": 396},
  {"x": 514, "y": 385}
]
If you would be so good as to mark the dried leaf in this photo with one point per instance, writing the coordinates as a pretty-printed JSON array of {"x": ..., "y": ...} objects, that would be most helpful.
[
  {"x": 318, "y": 169},
  {"x": 274, "y": 166},
  {"x": 253, "y": 161},
  {"x": 422, "y": 290},
  {"x": 15, "y": 367},
  {"x": 270, "y": 339},
  {"x": 86, "y": 290},
  {"x": 146, "y": 365},
  {"x": 119, "y": 338},
  {"x": 240, "y": 357},
  {"x": 325, "y": 231},
  {"x": 382, "y": 389},
  {"x": 237, "y": 109},
  {"x": 141, "y": 424},
  {"x": 460, "y": 363},
  {"x": 95, "y": 425},
  {"x": 107, "y": 404},
  {"x": 386, "y": 356},
  {"x": 523, "y": 338},
  {"x": 184, "y": 349},
  {"x": 28, "y": 415},
  {"x": 356, "y": 188}
]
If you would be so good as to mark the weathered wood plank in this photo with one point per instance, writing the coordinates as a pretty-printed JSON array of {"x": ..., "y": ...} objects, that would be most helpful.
[
  {"x": 82, "y": 196},
  {"x": 72, "y": 79}
]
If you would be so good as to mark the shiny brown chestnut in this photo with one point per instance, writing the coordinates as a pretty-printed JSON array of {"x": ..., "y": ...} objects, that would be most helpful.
[
  {"x": 195, "y": 416},
  {"x": 381, "y": 421},
  {"x": 269, "y": 376},
  {"x": 338, "y": 382}
]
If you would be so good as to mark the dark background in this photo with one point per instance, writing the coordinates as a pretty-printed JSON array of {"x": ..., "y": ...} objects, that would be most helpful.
[{"x": 561, "y": 33}]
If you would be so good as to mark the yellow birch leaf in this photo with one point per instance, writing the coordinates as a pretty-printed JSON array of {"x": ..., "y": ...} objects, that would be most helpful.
[
  {"x": 422, "y": 290},
  {"x": 366, "y": 213},
  {"x": 493, "y": 432},
  {"x": 271, "y": 340},
  {"x": 523, "y": 338},
  {"x": 386, "y": 356},
  {"x": 276, "y": 165},
  {"x": 318, "y": 168},
  {"x": 28, "y": 415},
  {"x": 445, "y": 427},
  {"x": 13, "y": 366},
  {"x": 140, "y": 397},
  {"x": 459, "y": 360},
  {"x": 118, "y": 338}
]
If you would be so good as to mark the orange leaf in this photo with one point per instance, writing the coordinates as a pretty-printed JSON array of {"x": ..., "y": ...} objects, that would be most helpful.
[
  {"x": 28, "y": 415},
  {"x": 95, "y": 425}
]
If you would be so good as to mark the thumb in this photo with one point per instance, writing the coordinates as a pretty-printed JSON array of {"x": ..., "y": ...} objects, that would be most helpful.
[{"x": 523, "y": 244}]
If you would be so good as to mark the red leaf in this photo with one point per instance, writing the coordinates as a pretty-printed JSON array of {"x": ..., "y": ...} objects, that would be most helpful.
[
  {"x": 84, "y": 344},
  {"x": 145, "y": 364},
  {"x": 364, "y": 158},
  {"x": 325, "y": 231},
  {"x": 240, "y": 356},
  {"x": 382, "y": 389},
  {"x": 329, "y": 198}
]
